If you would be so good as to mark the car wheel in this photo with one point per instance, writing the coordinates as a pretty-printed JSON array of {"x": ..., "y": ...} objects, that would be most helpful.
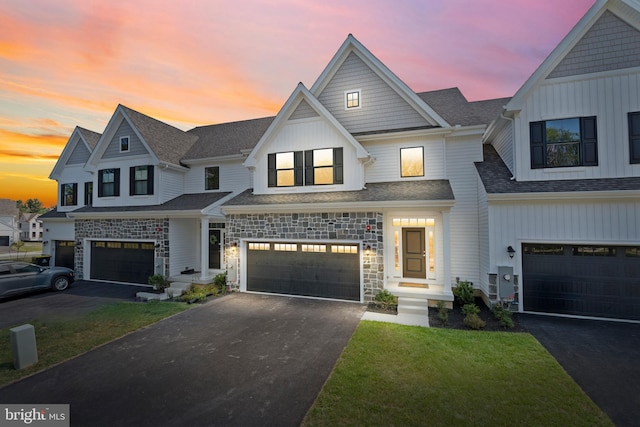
[{"x": 60, "y": 283}]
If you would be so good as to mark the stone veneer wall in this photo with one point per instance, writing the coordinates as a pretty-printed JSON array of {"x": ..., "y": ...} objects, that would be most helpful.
[
  {"x": 315, "y": 226},
  {"x": 152, "y": 229}
]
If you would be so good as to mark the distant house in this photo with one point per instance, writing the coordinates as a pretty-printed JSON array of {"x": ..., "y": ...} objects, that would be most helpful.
[
  {"x": 360, "y": 184},
  {"x": 9, "y": 231},
  {"x": 30, "y": 227}
]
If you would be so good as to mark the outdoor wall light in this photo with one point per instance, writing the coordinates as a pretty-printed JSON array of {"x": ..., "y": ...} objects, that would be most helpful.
[
  {"x": 234, "y": 245},
  {"x": 368, "y": 249},
  {"x": 79, "y": 243},
  {"x": 157, "y": 245},
  {"x": 511, "y": 251}
]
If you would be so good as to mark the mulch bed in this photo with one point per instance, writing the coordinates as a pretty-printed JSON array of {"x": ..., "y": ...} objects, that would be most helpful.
[{"x": 456, "y": 318}]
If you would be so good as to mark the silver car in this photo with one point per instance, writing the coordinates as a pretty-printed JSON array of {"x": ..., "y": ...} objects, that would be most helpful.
[{"x": 18, "y": 277}]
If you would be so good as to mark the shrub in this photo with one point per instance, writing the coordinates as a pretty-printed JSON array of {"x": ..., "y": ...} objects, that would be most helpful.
[
  {"x": 443, "y": 312},
  {"x": 195, "y": 293},
  {"x": 220, "y": 282},
  {"x": 158, "y": 281},
  {"x": 385, "y": 299},
  {"x": 464, "y": 293},
  {"x": 503, "y": 315},
  {"x": 468, "y": 309},
  {"x": 474, "y": 321}
]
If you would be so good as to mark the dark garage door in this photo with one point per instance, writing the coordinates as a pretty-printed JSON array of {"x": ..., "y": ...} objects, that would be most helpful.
[
  {"x": 4, "y": 240},
  {"x": 129, "y": 262},
  {"x": 585, "y": 280},
  {"x": 65, "y": 251},
  {"x": 316, "y": 270}
]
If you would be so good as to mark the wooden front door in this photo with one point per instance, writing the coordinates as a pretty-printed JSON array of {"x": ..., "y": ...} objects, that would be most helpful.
[{"x": 413, "y": 253}]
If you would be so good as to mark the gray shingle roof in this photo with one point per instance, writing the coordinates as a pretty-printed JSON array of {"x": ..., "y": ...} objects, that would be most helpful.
[
  {"x": 91, "y": 137},
  {"x": 432, "y": 190},
  {"x": 227, "y": 138},
  {"x": 8, "y": 207},
  {"x": 53, "y": 213},
  {"x": 170, "y": 144},
  {"x": 456, "y": 110},
  {"x": 496, "y": 179},
  {"x": 186, "y": 202}
]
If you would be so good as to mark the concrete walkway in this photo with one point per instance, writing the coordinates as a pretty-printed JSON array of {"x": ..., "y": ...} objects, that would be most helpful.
[{"x": 242, "y": 360}]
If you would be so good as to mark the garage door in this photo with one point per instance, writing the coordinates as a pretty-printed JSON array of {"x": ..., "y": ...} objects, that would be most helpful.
[
  {"x": 129, "y": 262},
  {"x": 65, "y": 251},
  {"x": 585, "y": 280},
  {"x": 321, "y": 270}
]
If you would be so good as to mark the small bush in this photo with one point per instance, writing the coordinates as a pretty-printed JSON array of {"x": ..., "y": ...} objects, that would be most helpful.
[
  {"x": 464, "y": 293},
  {"x": 158, "y": 281},
  {"x": 468, "y": 309},
  {"x": 385, "y": 299},
  {"x": 503, "y": 315},
  {"x": 220, "y": 281},
  {"x": 195, "y": 293},
  {"x": 443, "y": 312},
  {"x": 474, "y": 321}
]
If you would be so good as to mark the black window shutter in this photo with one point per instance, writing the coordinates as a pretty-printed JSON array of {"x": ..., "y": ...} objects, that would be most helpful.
[
  {"x": 150, "y": 179},
  {"x": 100, "y": 192},
  {"x": 634, "y": 137},
  {"x": 298, "y": 167},
  {"x": 536, "y": 135},
  {"x": 132, "y": 181},
  {"x": 63, "y": 196},
  {"x": 589, "y": 135},
  {"x": 75, "y": 194},
  {"x": 338, "y": 168},
  {"x": 116, "y": 179},
  {"x": 308, "y": 168},
  {"x": 272, "y": 174}
]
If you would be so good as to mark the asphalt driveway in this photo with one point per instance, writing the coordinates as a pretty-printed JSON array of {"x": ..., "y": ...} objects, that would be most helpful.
[
  {"x": 601, "y": 357},
  {"x": 241, "y": 360},
  {"x": 80, "y": 298}
]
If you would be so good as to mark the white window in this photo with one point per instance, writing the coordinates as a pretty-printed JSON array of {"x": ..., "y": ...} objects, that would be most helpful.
[{"x": 352, "y": 99}]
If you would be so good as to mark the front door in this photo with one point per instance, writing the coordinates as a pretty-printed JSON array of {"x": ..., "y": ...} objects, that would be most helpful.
[
  {"x": 214, "y": 249},
  {"x": 413, "y": 253}
]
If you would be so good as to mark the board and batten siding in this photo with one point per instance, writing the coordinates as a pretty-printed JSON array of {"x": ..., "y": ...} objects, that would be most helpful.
[
  {"x": 386, "y": 166},
  {"x": 381, "y": 106},
  {"x": 464, "y": 226},
  {"x": 588, "y": 222},
  {"x": 136, "y": 147},
  {"x": 609, "y": 98},
  {"x": 484, "y": 238},
  {"x": 74, "y": 174},
  {"x": 309, "y": 134},
  {"x": 184, "y": 245},
  {"x": 233, "y": 177}
]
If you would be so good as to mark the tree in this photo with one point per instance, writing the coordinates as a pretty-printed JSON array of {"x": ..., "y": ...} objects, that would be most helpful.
[{"x": 31, "y": 206}]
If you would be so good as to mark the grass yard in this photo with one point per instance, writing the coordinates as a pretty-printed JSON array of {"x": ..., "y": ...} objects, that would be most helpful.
[
  {"x": 395, "y": 375},
  {"x": 61, "y": 339}
]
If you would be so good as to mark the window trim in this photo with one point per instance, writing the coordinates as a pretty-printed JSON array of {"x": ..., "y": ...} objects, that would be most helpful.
[
  {"x": 116, "y": 182},
  {"x": 401, "y": 168},
  {"x": 74, "y": 194},
  {"x": 206, "y": 178},
  {"x": 346, "y": 99},
  {"x": 133, "y": 181},
  {"x": 588, "y": 144},
  {"x": 128, "y": 148},
  {"x": 634, "y": 137}
]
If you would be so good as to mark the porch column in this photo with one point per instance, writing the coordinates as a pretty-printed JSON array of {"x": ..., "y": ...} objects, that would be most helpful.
[
  {"x": 446, "y": 247},
  {"x": 204, "y": 248}
]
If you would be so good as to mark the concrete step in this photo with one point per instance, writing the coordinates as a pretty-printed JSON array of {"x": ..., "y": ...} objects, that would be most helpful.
[
  {"x": 413, "y": 306},
  {"x": 150, "y": 296},
  {"x": 176, "y": 289}
]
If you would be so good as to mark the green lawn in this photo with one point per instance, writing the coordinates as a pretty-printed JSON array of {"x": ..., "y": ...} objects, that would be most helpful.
[
  {"x": 60, "y": 339},
  {"x": 393, "y": 375}
]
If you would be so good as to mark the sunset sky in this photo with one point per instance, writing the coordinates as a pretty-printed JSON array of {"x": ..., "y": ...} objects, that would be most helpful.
[{"x": 68, "y": 63}]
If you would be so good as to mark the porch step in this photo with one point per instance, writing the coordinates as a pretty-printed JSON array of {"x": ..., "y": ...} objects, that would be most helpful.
[
  {"x": 176, "y": 289},
  {"x": 150, "y": 296},
  {"x": 413, "y": 306}
]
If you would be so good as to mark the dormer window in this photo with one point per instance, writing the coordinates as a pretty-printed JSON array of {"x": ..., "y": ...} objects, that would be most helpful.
[
  {"x": 124, "y": 144},
  {"x": 352, "y": 99}
]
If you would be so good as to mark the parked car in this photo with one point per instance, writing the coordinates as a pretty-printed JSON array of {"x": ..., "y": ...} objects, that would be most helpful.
[{"x": 18, "y": 277}]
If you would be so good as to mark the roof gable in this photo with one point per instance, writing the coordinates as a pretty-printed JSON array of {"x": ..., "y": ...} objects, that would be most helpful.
[
  {"x": 299, "y": 95},
  {"x": 77, "y": 151},
  {"x": 165, "y": 143},
  {"x": 352, "y": 50},
  {"x": 604, "y": 15}
]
